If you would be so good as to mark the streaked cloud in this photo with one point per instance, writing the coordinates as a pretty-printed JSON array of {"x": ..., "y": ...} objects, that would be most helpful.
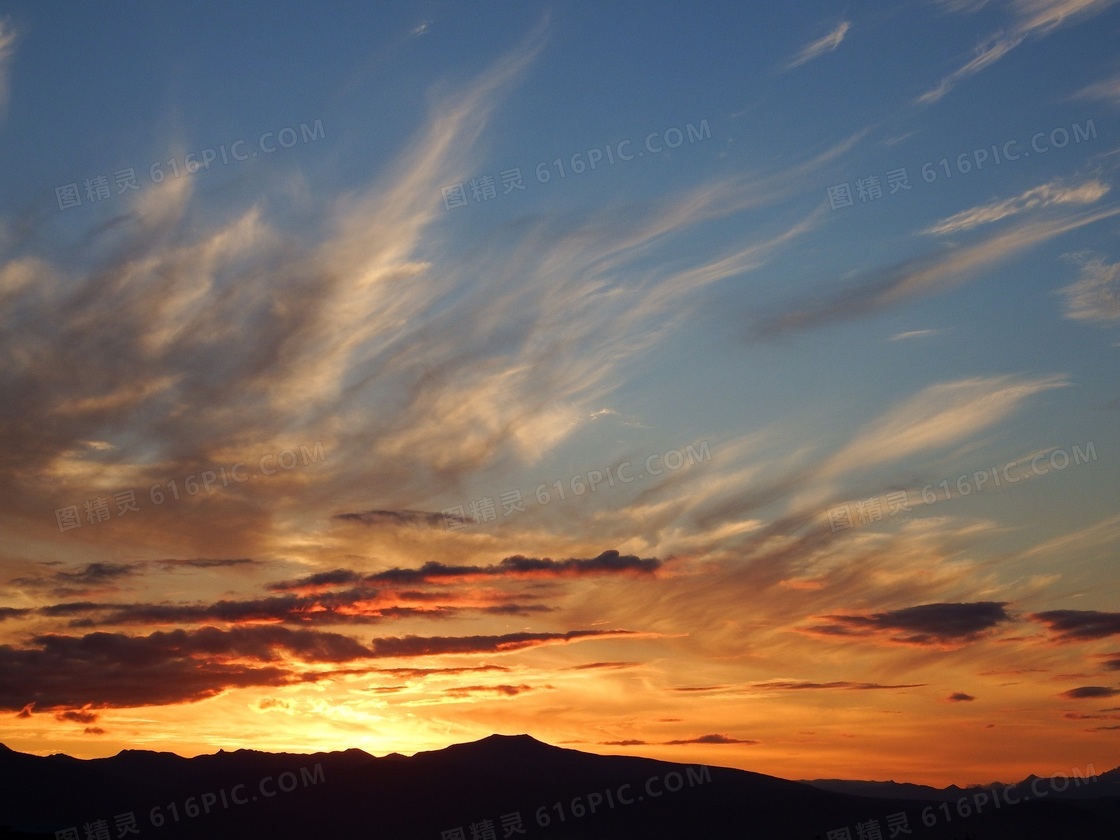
[
  {"x": 911, "y": 334},
  {"x": 1106, "y": 90},
  {"x": 821, "y": 46},
  {"x": 8, "y": 38},
  {"x": 938, "y": 416},
  {"x": 1043, "y": 196},
  {"x": 1030, "y": 19},
  {"x": 1096, "y": 295},
  {"x": 882, "y": 289}
]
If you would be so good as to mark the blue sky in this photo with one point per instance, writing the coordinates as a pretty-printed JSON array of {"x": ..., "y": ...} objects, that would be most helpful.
[{"x": 827, "y": 257}]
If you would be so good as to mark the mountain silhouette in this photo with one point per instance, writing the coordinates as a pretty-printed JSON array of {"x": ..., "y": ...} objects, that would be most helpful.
[{"x": 502, "y": 787}]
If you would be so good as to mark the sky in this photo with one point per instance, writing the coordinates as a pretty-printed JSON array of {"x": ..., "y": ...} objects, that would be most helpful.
[{"x": 726, "y": 383}]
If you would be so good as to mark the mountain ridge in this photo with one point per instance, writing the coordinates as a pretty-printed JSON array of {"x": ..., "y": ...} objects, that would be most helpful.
[{"x": 554, "y": 792}]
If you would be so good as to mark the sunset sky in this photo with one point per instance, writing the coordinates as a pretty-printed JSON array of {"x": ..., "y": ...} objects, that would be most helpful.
[{"x": 784, "y": 438}]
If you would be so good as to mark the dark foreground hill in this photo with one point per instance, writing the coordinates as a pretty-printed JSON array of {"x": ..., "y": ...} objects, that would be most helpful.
[{"x": 499, "y": 788}]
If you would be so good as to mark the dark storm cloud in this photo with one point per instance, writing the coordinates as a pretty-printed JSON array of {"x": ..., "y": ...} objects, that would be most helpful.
[
  {"x": 609, "y": 562},
  {"x": 413, "y": 518},
  {"x": 353, "y": 606},
  {"x": 78, "y": 716},
  {"x": 517, "y": 567},
  {"x": 88, "y": 578},
  {"x": 207, "y": 563},
  {"x": 101, "y": 670},
  {"x": 419, "y": 673},
  {"x": 439, "y": 645},
  {"x": 603, "y": 665},
  {"x": 795, "y": 685},
  {"x": 335, "y": 577},
  {"x": 926, "y": 624},
  {"x": 1076, "y": 625},
  {"x": 505, "y": 690},
  {"x": 710, "y": 739},
  {"x": 1090, "y": 691},
  {"x": 97, "y": 576}
]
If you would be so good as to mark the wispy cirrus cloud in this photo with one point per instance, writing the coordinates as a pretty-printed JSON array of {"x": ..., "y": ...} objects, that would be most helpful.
[
  {"x": 912, "y": 334},
  {"x": 882, "y": 289},
  {"x": 1045, "y": 195},
  {"x": 821, "y": 46},
  {"x": 1106, "y": 90},
  {"x": 937, "y": 416},
  {"x": 1030, "y": 19},
  {"x": 1096, "y": 295},
  {"x": 8, "y": 38}
]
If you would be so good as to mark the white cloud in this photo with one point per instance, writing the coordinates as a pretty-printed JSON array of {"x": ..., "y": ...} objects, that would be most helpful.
[
  {"x": 1042, "y": 196},
  {"x": 824, "y": 45},
  {"x": 904, "y": 336},
  {"x": 1033, "y": 19},
  {"x": 1107, "y": 90},
  {"x": 937, "y": 416},
  {"x": 1096, "y": 296},
  {"x": 8, "y": 37}
]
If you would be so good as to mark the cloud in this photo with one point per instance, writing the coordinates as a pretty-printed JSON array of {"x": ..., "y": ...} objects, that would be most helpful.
[
  {"x": 824, "y": 45},
  {"x": 882, "y": 289},
  {"x": 1031, "y": 19},
  {"x": 1045, "y": 195},
  {"x": 1079, "y": 625},
  {"x": 1091, "y": 691},
  {"x": 710, "y": 739},
  {"x": 1107, "y": 90},
  {"x": 927, "y": 624},
  {"x": 799, "y": 685},
  {"x": 516, "y": 567},
  {"x": 103, "y": 670},
  {"x": 960, "y": 697},
  {"x": 504, "y": 690},
  {"x": 1096, "y": 296},
  {"x": 906, "y": 336},
  {"x": 937, "y": 416},
  {"x": 8, "y": 38},
  {"x": 492, "y": 353},
  {"x": 631, "y": 742},
  {"x": 393, "y": 646},
  {"x": 77, "y": 716},
  {"x": 390, "y": 518}
]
